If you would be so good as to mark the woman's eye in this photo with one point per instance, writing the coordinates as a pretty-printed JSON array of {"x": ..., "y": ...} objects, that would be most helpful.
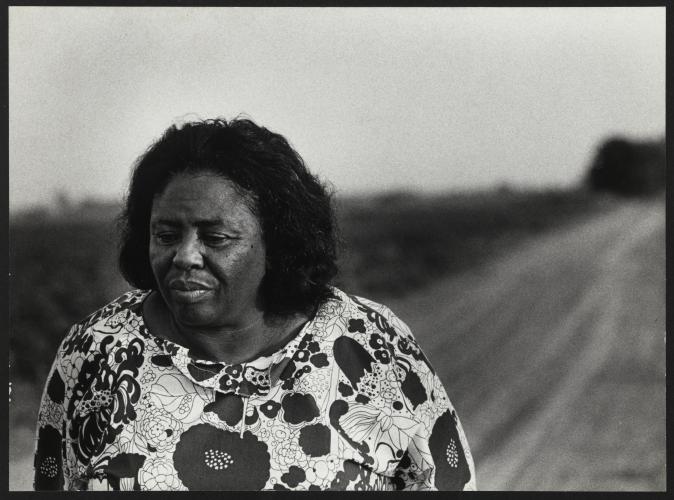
[
  {"x": 165, "y": 238},
  {"x": 214, "y": 239}
]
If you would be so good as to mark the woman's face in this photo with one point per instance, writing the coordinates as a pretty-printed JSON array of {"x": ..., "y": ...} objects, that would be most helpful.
[{"x": 206, "y": 252}]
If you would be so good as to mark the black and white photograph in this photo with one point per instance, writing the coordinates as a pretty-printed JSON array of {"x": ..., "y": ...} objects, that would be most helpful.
[{"x": 337, "y": 248}]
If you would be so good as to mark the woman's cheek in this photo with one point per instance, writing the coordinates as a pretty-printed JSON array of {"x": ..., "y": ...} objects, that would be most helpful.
[{"x": 160, "y": 260}]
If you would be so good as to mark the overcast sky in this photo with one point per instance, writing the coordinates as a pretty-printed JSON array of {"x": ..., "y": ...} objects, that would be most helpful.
[{"x": 372, "y": 98}]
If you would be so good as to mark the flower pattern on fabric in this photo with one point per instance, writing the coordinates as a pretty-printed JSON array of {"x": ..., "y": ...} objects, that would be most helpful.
[
  {"x": 158, "y": 474},
  {"x": 48, "y": 469},
  {"x": 350, "y": 403},
  {"x": 208, "y": 458},
  {"x": 289, "y": 452},
  {"x": 121, "y": 471},
  {"x": 103, "y": 398},
  {"x": 452, "y": 467},
  {"x": 160, "y": 429},
  {"x": 386, "y": 433}
]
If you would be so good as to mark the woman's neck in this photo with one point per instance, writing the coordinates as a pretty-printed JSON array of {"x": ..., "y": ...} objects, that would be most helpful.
[{"x": 231, "y": 345}]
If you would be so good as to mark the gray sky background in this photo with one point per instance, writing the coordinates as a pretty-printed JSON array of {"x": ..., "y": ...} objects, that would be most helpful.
[{"x": 372, "y": 98}]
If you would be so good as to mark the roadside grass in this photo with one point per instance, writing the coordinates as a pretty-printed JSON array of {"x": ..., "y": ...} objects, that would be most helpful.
[{"x": 397, "y": 243}]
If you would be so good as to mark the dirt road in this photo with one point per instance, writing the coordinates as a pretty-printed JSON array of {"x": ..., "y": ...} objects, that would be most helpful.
[{"x": 555, "y": 356}]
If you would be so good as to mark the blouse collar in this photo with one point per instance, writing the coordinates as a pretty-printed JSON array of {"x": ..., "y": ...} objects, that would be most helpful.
[{"x": 253, "y": 378}]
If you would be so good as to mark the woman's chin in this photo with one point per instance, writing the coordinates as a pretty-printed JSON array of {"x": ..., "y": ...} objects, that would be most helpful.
[{"x": 193, "y": 315}]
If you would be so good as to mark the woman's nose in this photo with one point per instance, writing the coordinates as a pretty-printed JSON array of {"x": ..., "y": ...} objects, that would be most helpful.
[{"x": 188, "y": 254}]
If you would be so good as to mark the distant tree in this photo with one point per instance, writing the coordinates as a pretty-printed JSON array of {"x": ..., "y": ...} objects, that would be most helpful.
[
  {"x": 63, "y": 204},
  {"x": 630, "y": 168}
]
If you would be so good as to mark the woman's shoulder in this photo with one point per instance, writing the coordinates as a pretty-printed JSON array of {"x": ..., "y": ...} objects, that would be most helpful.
[
  {"x": 119, "y": 316},
  {"x": 128, "y": 301},
  {"x": 377, "y": 329},
  {"x": 361, "y": 309}
]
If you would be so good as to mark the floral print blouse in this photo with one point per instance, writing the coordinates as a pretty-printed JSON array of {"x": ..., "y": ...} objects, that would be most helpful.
[{"x": 351, "y": 403}]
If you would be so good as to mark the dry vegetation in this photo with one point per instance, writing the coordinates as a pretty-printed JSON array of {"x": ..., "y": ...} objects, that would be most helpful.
[{"x": 396, "y": 243}]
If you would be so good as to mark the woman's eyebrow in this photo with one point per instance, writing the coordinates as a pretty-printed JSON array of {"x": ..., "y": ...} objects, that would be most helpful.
[
  {"x": 199, "y": 223},
  {"x": 164, "y": 222},
  {"x": 209, "y": 222}
]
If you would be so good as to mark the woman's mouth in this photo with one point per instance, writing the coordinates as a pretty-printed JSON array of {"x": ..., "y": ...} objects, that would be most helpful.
[
  {"x": 189, "y": 295},
  {"x": 187, "y": 291}
]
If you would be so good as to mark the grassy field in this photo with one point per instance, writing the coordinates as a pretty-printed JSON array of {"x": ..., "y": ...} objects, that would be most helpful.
[
  {"x": 64, "y": 268},
  {"x": 394, "y": 244}
]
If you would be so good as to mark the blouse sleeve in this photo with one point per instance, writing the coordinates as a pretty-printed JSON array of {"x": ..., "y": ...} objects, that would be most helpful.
[
  {"x": 438, "y": 456},
  {"x": 50, "y": 435},
  {"x": 55, "y": 464}
]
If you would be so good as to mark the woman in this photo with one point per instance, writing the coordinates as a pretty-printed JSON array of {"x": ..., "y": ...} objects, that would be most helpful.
[{"x": 235, "y": 365}]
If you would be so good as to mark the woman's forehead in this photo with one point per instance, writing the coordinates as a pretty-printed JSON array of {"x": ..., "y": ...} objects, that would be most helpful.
[{"x": 201, "y": 196}]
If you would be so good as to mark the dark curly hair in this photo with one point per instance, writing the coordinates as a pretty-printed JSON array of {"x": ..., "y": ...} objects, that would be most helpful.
[{"x": 294, "y": 208}]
